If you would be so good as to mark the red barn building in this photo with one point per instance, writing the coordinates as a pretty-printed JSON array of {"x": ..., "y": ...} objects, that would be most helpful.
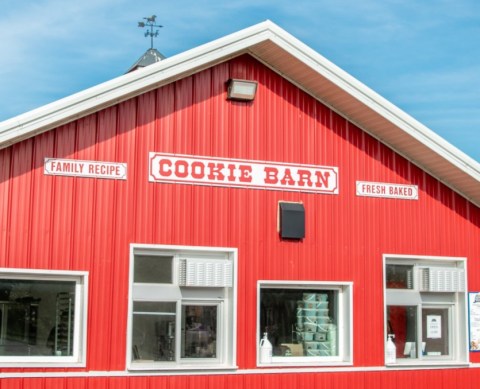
[{"x": 154, "y": 227}]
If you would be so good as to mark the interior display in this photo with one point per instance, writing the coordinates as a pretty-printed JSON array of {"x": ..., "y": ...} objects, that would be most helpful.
[
  {"x": 64, "y": 320},
  {"x": 36, "y": 317},
  {"x": 300, "y": 323}
]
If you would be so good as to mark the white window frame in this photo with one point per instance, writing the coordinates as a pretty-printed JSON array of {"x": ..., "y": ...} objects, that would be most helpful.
[
  {"x": 78, "y": 359},
  {"x": 344, "y": 325},
  {"x": 184, "y": 295},
  {"x": 456, "y": 303}
]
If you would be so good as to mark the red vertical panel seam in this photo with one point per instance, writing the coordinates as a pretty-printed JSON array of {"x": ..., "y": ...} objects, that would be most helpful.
[
  {"x": 8, "y": 236},
  {"x": 52, "y": 202},
  {"x": 116, "y": 185},
  {"x": 30, "y": 205},
  {"x": 74, "y": 200},
  {"x": 135, "y": 159},
  {"x": 156, "y": 140}
]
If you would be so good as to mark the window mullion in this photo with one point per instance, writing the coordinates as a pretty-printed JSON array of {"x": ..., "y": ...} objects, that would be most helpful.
[
  {"x": 419, "y": 332},
  {"x": 178, "y": 330}
]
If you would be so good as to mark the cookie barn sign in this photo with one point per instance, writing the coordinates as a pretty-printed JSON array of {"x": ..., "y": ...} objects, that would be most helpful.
[{"x": 188, "y": 169}]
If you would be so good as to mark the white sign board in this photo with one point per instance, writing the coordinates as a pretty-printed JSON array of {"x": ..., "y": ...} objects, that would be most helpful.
[
  {"x": 391, "y": 191},
  {"x": 77, "y": 168},
  {"x": 188, "y": 169},
  {"x": 474, "y": 310}
]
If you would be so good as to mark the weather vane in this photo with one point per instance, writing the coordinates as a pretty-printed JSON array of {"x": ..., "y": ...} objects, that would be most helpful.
[{"x": 150, "y": 22}]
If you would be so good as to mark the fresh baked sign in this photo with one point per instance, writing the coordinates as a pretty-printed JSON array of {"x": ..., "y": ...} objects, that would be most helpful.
[
  {"x": 92, "y": 169},
  {"x": 392, "y": 191},
  {"x": 189, "y": 169}
]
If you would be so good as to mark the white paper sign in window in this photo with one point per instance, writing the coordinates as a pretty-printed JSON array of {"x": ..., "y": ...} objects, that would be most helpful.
[{"x": 434, "y": 326}]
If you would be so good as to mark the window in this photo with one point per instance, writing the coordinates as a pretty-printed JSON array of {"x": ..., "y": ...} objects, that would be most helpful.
[
  {"x": 42, "y": 318},
  {"x": 182, "y": 308},
  {"x": 425, "y": 306},
  {"x": 307, "y": 323}
]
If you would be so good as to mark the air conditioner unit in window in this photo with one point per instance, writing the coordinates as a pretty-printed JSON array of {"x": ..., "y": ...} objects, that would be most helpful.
[
  {"x": 205, "y": 273},
  {"x": 441, "y": 279}
]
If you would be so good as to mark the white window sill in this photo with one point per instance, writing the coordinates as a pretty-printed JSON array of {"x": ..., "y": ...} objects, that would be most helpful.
[
  {"x": 44, "y": 365},
  {"x": 318, "y": 364},
  {"x": 426, "y": 364},
  {"x": 179, "y": 367}
]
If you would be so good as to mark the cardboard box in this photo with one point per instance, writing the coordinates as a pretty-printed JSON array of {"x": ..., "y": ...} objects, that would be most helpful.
[{"x": 295, "y": 349}]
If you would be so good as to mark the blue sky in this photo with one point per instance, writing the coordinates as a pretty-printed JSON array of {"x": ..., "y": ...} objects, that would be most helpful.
[{"x": 423, "y": 56}]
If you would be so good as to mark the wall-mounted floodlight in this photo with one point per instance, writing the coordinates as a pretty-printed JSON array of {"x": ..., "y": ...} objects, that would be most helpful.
[{"x": 241, "y": 90}]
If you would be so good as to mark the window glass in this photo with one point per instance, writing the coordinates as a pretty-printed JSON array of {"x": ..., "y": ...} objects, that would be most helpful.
[
  {"x": 400, "y": 276},
  {"x": 199, "y": 331},
  {"x": 435, "y": 333},
  {"x": 306, "y": 323},
  {"x": 36, "y": 317},
  {"x": 153, "y": 331},
  {"x": 300, "y": 322},
  {"x": 152, "y": 269},
  {"x": 402, "y": 322}
]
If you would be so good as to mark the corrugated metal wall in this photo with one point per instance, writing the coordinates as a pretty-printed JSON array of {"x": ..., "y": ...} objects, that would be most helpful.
[{"x": 52, "y": 222}]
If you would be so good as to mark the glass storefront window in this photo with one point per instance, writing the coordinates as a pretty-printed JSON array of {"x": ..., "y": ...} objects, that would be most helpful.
[
  {"x": 306, "y": 324},
  {"x": 41, "y": 317}
]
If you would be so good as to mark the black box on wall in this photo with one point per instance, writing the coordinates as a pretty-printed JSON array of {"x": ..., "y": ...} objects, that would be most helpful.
[{"x": 291, "y": 220}]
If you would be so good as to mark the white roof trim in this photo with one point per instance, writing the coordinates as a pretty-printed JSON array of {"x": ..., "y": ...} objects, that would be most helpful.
[{"x": 272, "y": 45}]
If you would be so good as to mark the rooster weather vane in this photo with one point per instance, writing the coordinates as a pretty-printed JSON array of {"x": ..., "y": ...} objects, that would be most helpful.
[{"x": 150, "y": 23}]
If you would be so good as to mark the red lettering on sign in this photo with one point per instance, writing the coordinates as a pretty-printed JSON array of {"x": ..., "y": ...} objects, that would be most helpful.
[
  {"x": 231, "y": 170},
  {"x": 245, "y": 173},
  {"x": 304, "y": 177},
  {"x": 287, "y": 178},
  {"x": 216, "y": 171},
  {"x": 165, "y": 165},
  {"x": 322, "y": 179},
  {"x": 270, "y": 175},
  {"x": 181, "y": 168},
  {"x": 198, "y": 170}
]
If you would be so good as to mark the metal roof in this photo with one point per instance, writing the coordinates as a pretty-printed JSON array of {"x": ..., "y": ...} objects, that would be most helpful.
[
  {"x": 150, "y": 57},
  {"x": 299, "y": 64}
]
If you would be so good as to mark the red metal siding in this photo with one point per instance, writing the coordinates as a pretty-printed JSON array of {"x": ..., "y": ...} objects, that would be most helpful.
[{"x": 86, "y": 224}]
